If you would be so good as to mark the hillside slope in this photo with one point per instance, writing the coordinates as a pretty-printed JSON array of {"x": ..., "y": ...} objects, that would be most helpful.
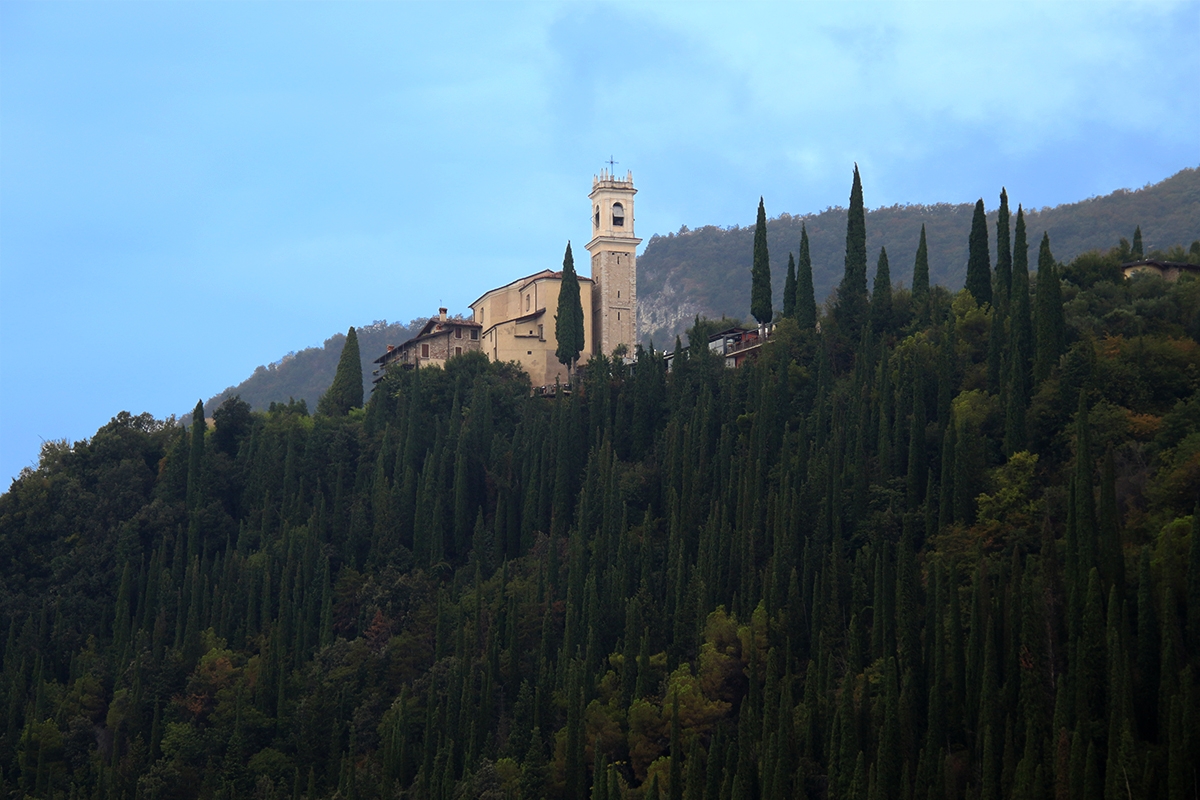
[
  {"x": 306, "y": 374},
  {"x": 707, "y": 271}
]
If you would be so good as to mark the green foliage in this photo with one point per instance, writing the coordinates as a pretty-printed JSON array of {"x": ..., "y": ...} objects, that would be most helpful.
[
  {"x": 920, "y": 277},
  {"x": 346, "y": 391},
  {"x": 979, "y": 262},
  {"x": 850, "y": 311},
  {"x": 568, "y": 321},
  {"x": 881, "y": 295},
  {"x": 836, "y": 569},
  {"x": 789, "y": 289},
  {"x": 806, "y": 306},
  {"x": 704, "y": 269},
  {"x": 1049, "y": 325},
  {"x": 760, "y": 271}
]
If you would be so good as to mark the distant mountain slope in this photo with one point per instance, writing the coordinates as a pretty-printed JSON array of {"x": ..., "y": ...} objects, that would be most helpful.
[
  {"x": 305, "y": 375},
  {"x": 707, "y": 271}
]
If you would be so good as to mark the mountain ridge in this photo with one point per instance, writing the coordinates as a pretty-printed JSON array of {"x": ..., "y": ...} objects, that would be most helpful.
[{"x": 706, "y": 271}]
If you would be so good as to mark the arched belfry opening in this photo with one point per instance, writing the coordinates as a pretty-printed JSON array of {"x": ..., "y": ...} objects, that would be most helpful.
[{"x": 618, "y": 215}]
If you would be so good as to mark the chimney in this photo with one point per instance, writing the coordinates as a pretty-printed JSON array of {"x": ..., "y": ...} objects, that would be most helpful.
[
  {"x": 442, "y": 314},
  {"x": 391, "y": 347}
]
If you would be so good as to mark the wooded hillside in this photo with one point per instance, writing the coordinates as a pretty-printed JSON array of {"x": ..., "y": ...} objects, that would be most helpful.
[
  {"x": 706, "y": 271},
  {"x": 937, "y": 550}
]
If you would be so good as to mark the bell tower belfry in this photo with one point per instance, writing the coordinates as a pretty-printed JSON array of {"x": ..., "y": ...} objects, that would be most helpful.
[{"x": 614, "y": 263}]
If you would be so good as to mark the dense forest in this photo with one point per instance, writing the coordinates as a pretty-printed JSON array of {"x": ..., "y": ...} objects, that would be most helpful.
[
  {"x": 929, "y": 544},
  {"x": 706, "y": 270}
]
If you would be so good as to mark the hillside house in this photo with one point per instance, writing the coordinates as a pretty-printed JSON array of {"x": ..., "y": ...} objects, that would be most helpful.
[
  {"x": 441, "y": 338},
  {"x": 1167, "y": 270},
  {"x": 735, "y": 345}
]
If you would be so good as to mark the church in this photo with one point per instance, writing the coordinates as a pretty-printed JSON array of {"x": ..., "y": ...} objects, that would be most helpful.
[{"x": 515, "y": 322}]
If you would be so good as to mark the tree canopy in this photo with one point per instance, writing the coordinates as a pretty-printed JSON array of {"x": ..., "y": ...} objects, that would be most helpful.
[{"x": 568, "y": 321}]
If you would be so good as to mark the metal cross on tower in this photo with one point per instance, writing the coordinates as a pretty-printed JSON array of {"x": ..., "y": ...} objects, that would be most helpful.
[{"x": 611, "y": 164}]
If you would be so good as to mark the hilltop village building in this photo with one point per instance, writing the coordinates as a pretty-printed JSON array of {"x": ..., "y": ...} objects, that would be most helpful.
[
  {"x": 1167, "y": 270},
  {"x": 515, "y": 322},
  {"x": 441, "y": 338}
]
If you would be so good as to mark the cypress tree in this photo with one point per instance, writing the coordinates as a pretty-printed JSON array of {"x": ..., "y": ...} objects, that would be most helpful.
[
  {"x": 1003, "y": 254},
  {"x": 1193, "y": 586},
  {"x": 346, "y": 391},
  {"x": 979, "y": 266},
  {"x": 1148, "y": 652},
  {"x": 920, "y": 279},
  {"x": 568, "y": 321},
  {"x": 806, "y": 303},
  {"x": 196, "y": 455},
  {"x": 1109, "y": 550},
  {"x": 1085, "y": 503},
  {"x": 675, "y": 789},
  {"x": 850, "y": 312},
  {"x": 789, "y": 289},
  {"x": 1050, "y": 326},
  {"x": 760, "y": 271},
  {"x": 881, "y": 295},
  {"x": 1020, "y": 344},
  {"x": 1137, "y": 244}
]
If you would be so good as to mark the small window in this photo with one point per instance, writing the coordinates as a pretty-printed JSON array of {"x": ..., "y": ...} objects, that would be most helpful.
[
  {"x": 541, "y": 333},
  {"x": 458, "y": 351},
  {"x": 528, "y": 352},
  {"x": 474, "y": 333},
  {"x": 526, "y": 302},
  {"x": 618, "y": 316},
  {"x": 424, "y": 351},
  {"x": 596, "y": 222},
  {"x": 618, "y": 294},
  {"x": 458, "y": 333},
  {"x": 618, "y": 215}
]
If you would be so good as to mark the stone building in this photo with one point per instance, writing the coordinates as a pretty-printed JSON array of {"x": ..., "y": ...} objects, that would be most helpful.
[
  {"x": 1167, "y": 270},
  {"x": 440, "y": 338},
  {"x": 518, "y": 319},
  {"x": 515, "y": 322}
]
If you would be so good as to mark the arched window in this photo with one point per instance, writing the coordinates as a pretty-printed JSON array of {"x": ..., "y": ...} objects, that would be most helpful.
[{"x": 618, "y": 215}]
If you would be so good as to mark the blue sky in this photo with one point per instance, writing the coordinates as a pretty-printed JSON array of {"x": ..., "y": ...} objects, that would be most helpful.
[{"x": 190, "y": 190}]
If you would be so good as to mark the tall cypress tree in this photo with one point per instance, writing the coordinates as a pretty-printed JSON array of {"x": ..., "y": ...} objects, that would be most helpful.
[
  {"x": 789, "y": 289},
  {"x": 806, "y": 302},
  {"x": 346, "y": 391},
  {"x": 760, "y": 271},
  {"x": 1020, "y": 344},
  {"x": 979, "y": 267},
  {"x": 196, "y": 455},
  {"x": 1137, "y": 244},
  {"x": 1003, "y": 254},
  {"x": 851, "y": 310},
  {"x": 920, "y": 279},
  {"x": 568, "y": 321},
  {"x": 1050, "y": 326},
  {"x": 881, "y": 294}
]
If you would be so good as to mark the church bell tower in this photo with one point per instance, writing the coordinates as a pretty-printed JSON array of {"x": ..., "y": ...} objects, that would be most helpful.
[{"x": 614, "y": 263}]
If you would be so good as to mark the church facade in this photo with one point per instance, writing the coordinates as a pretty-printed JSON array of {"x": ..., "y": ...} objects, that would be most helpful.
[
  {"x": 515, "y": 322},
  {"x": 517, "y": 319}
]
